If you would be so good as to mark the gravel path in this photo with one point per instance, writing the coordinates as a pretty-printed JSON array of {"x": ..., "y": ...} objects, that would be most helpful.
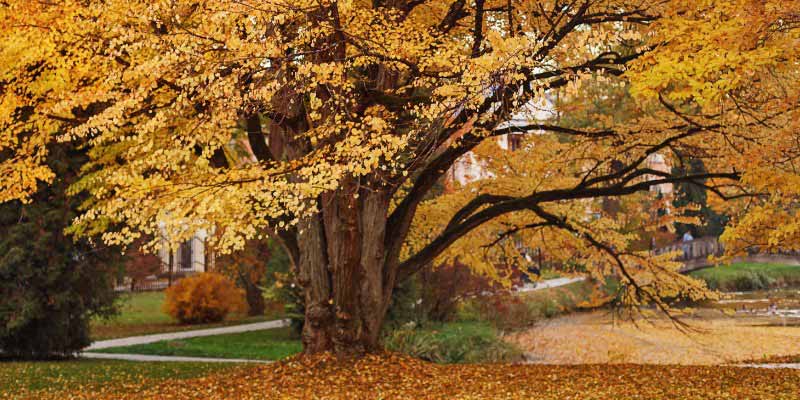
[{"x": 134, "y": 340}]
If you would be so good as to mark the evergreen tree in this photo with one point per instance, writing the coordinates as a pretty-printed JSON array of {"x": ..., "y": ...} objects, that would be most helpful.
[
  {"x": 50, "y": 283},
  {"x": 711, "y": 223}
]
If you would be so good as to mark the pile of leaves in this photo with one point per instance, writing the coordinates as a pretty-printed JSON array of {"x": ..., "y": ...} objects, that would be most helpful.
[{"x": 393, "y": 376}]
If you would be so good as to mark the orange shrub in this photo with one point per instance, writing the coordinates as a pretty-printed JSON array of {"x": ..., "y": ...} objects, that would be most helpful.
[{"x": 203, "y": 298}]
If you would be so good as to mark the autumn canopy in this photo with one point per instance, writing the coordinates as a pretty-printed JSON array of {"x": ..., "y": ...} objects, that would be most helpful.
[{"x": 330, "y": 126}]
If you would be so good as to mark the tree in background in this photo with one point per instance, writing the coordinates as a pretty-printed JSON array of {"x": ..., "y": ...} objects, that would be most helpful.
[
  {"x": 707, "y": 222},
  {"x": 248, "y": 269},
  {"x": 281, "y": 288},
  {"x": 348, "y": 113},
  {"x": 139, "y": 264},
  {"x": 51, "y": 284}
]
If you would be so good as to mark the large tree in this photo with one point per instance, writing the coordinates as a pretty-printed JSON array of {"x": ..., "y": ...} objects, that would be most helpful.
[{"x": 327, "y": 125}]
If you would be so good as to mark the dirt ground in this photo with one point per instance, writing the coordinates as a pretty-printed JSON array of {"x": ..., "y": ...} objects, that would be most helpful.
[{"x": 716, "y": 338}]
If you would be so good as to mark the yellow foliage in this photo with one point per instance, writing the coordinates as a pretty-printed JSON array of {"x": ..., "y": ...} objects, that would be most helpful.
[{"x": 247, "y": 118}]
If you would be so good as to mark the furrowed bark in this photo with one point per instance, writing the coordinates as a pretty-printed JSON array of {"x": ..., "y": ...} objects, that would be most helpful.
[
  {"x": 314, "y": 278},
  {"x": 373, "y": 297},
  {"x": 342, "y": 228},
  {"x": 341, "y": 272}
]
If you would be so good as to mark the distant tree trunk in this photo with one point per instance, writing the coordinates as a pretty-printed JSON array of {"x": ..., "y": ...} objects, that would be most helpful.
[
  {"x": 255, "y": 299},
  {"x": 341, "y": 270},
  {"x": 170, "y": 268}
]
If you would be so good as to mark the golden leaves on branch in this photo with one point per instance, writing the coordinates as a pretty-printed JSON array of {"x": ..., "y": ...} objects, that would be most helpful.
[{"x": 157, "y": 89}]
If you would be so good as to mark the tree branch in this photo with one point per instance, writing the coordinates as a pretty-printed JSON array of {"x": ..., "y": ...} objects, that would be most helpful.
[
  {"x": 498, "y": 206},
  {"x": 255, "y": 137}
]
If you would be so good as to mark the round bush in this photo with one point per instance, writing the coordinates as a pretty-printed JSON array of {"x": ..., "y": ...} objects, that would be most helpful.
[{"x": 203, "y": 298}]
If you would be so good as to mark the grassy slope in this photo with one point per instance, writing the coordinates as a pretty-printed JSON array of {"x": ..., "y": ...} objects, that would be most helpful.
[
  {"x": 568, "y": 298},
  {"x": 272, "y": 344},
  {"x": 747, "y": 276},
  {"x": 20, "y": 377},
  {"x": 522, "y": 310},
  {"x": 141, "y": 314},
  {"x": 453, "y": 342}
]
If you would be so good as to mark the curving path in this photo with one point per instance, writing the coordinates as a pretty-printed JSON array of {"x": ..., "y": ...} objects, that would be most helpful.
[
  {"x": 771, "y": 366},
  {"x": 134, "y": 340},
  {"x": 149, "y": 358},
  {"x": 160, "y": 337},
  {"x": 549, "y": 283}
]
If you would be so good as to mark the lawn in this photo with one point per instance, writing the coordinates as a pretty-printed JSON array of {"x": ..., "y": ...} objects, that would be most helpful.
[
  {"x": 749, "y": 276},
  {"x": 270, "y": 344},
  {"x": 141, "y": 314},
  {"x": 393, "y": 376},
  {"x": 23, "y": 379}
]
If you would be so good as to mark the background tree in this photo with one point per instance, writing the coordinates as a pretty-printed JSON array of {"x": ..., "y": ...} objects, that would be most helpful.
[
  {"x": 350, "y": 112},
  {"x": 708, "y": 222},
  {"x": 139, "y": 265},
  {"x": 50, "y": 283},
  {"x": 248, "y": 268}
]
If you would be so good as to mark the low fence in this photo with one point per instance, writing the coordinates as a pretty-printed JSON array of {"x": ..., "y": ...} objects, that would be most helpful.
[
  {"x": 699, "y": 248},
  {"x": 694, "y": 254},
  {"x": 151, "y": 284},
  {"x": 143, "y": 286}
]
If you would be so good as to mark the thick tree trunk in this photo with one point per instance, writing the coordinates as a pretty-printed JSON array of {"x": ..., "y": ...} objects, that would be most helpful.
[{"x": 341, "y": 270}]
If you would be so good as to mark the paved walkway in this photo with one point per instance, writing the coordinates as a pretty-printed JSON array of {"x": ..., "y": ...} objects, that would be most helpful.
[
  {"x": 550, "y": 283},
  {"x": 771, "y": 366},
  {"x": 134, "y": 340},
  {"x": 148, "y": 358}
]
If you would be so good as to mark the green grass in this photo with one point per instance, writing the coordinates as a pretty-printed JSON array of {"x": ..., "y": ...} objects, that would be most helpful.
[
  {"x": 142, "y": 308},
  {"x": 453, "y": 330},
  {"x": 453, "y": 342},
  {"x": 546, "y": 274},
  {"x": 749, "y": 276},
  {"x": 141, "y": 314},
  {"x": 270, "y": 344},
  {"x": 20, "y": 377}
]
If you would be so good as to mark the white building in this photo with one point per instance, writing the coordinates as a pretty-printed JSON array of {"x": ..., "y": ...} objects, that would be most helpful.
[
  {"x": 469, "y": 169},
  {"x": 659, "y": 163},
  {"x": 190, "y": 256}
]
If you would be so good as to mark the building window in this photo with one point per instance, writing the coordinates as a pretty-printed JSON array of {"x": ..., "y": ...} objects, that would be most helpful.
[
  {"x": 514, "y": 141},
  {"x": 185, "y": 255}
]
